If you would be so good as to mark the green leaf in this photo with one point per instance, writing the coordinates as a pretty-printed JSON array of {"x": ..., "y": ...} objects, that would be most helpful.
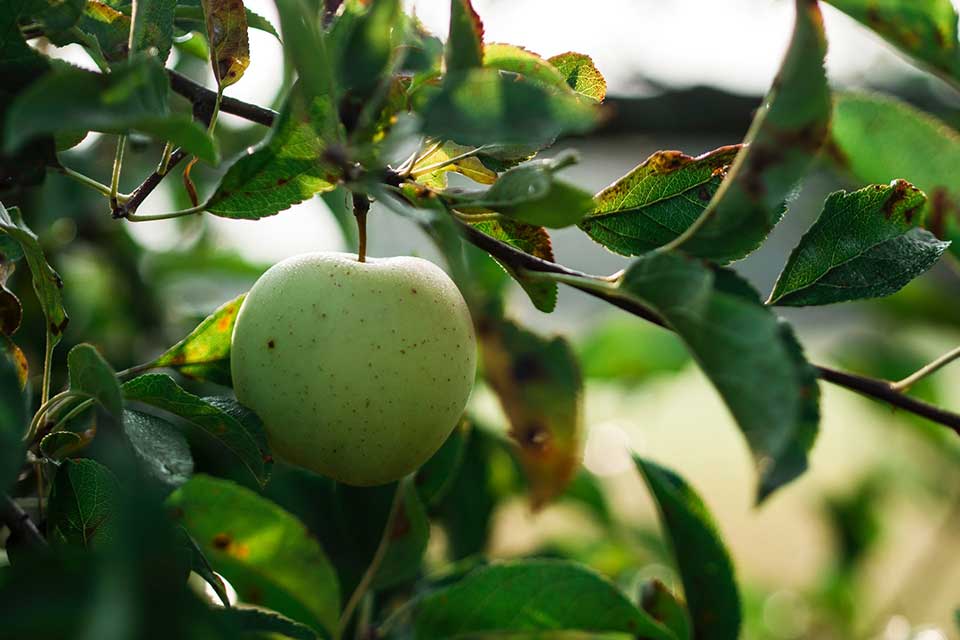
[
  {"x": 784, "y": 139},
  {"x": 484, "y": 106},
  {"x": 256, "y": 622},
  {"x": 366, "y": 54},
  {"x": 61, "y": 444},
  {"x": 864, "y": 245},
  {"x": 227, "y": 34},
  {"x": 90, "y": 374},
  {"x": 540, "y": 388},
  {"x": 529, "y": 239},
  {"x": 581, "y": 74},
  {"x": 205, "y": 353},
  {"x": 750, "y": 356},
  {"x": 263, "y": 551},
  {"x": 13, "y": 422},
  {"x": 83, "y": 502},
  {"x": 464, "y": 48},
  {"x": 509, "y": 57},
  {"x": 531, "y": 194},
  {"x": 190, "y": 18},
  {"x": 217, "y": 417},
  {"x": 925, "y": 30},
  {"x": 657, "y": 201},
  {"x": 436, "y": 476},
  {"x": 657, "y": 600},
  {"x": 133, "y": 97},
  {"x": 407, "y": 542},
  {"x": 305, "y": 44},
  {"x": 705, "y": 567},
  {"x": 869, "y": 135},
  {"x": 153, "y": 27},
  {"x": 287, "y": 168},
  {"x": 470, "y": 166},
  {"x": 46, "y": 282},
  {"x": 531, "y": 595},
  {"x": 161, "y": 449},
  {"x": 56, "y": 15},
  {"x": 110, "y": 30},
  {"x": 621, "y": 350}
]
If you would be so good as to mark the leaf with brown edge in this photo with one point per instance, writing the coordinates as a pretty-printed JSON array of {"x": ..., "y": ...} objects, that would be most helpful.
[
  {"x": 205, "y": 353},
  {"x": 18, "y": 359},
  {"x": 464, "y": 49},
  {"x": 540, "y": 388},
  {"x": 529, "y": 239},
  {"x": 581, "y": 74},
  {"x": 227, "y": 34},
  {"x": 784, "y": 139},
  {"x": 657, "y": 201},
  {"x": 11, "y": 311},
  {"x": 509, "y": 57}
]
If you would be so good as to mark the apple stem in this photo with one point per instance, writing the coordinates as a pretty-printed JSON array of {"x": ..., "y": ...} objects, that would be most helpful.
[{"x": 361, "y": 205}]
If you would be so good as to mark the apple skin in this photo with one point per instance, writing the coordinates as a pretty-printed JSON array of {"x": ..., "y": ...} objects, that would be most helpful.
[{"x": 359, "y": 370}]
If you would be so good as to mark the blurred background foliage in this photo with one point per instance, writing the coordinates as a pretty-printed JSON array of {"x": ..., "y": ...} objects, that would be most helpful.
[{"x": 867, "y": 544}]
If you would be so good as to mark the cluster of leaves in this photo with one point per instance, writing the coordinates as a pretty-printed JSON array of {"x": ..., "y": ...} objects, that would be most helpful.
[{"x": 387, "y": 111}]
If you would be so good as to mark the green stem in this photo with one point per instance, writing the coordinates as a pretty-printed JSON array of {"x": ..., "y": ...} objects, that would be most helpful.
[
  {"x": 115, "y": 176},
  {"x": 478, "y": 217},
  {"x": 46, "y": 408},
  {"x": 164, "y": 165},
  {"x": 133, "y": 217},
  {"x": 87, "y": 181},
  {"x": 132, "y": 371},
  {"x": 47, "y": 362},
  {"x": 430, "y": 168},
  {"x": 925, "y": 371},
  {"x": 80, "y": 408},
  {"x": 405, "y": 169},
  {"x": 377, "y": 559}
]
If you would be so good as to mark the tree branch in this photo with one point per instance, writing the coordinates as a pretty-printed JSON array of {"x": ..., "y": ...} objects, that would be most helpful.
[
  {"x": 19, "y": 522},
  {"x": 200, "y": 95}
]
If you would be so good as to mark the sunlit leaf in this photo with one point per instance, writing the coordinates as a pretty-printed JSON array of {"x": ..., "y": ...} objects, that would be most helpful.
[
  {"x": 539, "y": 385},
  {"x": 263, "y": 551},
  {"x": 509, "y": 57},
  {"x": 227, "y": 34},
  {"x": 581, "y": 74},
  {"x": 865, "y": 244},
  {"x": 205, "y": 353},
  {"x": 531, "y": 595},
  {"x": 469, "y": 166},
  {"x": 656, "y": 201},
  {"x": 783, "y": 141},
  {"x": 705, "y": 567}
]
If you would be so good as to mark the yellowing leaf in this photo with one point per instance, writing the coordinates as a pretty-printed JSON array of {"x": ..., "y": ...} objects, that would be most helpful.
[
  {"x": 470, "y": 167},
  {"x": 227, "y": 33},
  {"x": 581, "y": 74}
]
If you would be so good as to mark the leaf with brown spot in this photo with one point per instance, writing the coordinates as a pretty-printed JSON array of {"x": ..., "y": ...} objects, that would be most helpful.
[
  {"x": 205, "y": 353},
  {"x": 784, "y": 139},
  {"x": 14, "y": 415},
  {"x": 540, "y": 388},
  {"x": 581, "y": 74},
  {"x": 227, "y": 33},
  {"x": 532, "y": 240},
  {"x": 657, "y": 201},
  {"x": 464, "y": 48},
  {"x": 46, "y": 282},
  {"x": 263, "y": 551},
  {"x": 925, "y": 30}
]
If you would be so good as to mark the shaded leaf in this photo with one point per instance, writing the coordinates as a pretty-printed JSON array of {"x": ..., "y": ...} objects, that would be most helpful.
[
  {"x": 464, "y": 48},
  {"x": 61, "y": 444},
  {"x": 435, "y": 477},
  {"x": 249, "y": 621},
  {"x": 785, "y": 137},
  {"x": 287, "y": 168},
  {"x": 366, "y": 54},
  {"x": 581, "y": 74},
  {"x": 227, "y": 34},
  {"x": 539, "y": 385},
  {"x": 306, "y": 45},
  {"x": 110, "y": 30},
  {"x": 529, "y": 239},
  {"x": 161, "y": 449},
  {"x": 153, "y": 27},
  {"x": 484, "y": 106},
  {"x": 133, "y": 97},
  {"x": 750, "y": 356},
  {"x": 46, "y": 282},
  {"x": 705, "y": 567},
  {"x": 92, "y": 375},
  {"x": 531, "y": 595},
  {"x": 533, "y": 195},
  {"x": 201, "y": 566},
  {"x": 13, "y": 422},
  {"x": 622, "y": 350},
  {"x": 864, "y": 245},
  {"x": 869, "y": 135},
  {"x": 509, "y": 57},
  {"x": 407, "y": 542},
  {"x": 205, "y": 353},
  {"x": 660, "y": 603},
  {"x": 925, "y": 30},
  {"x": 11, "y": 311},
  {"x": 55, "y": 15},
  {"x": 657, "y": 201},
  {"x": 214, "y": 416},
  {"x": 83, "y": 502},
  {"x": 263, "y": 551}
]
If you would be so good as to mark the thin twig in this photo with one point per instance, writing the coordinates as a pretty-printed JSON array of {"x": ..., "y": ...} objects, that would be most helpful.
[
  {"x": 19, "y": 522},
  {"x": 115, "y": 176},
  {"x": 199, "y": 94},
  {"x": 927, "y": 370}
]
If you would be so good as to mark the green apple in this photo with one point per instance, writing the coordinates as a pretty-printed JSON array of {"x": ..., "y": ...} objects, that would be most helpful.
[{"x": 359, "y": 370}]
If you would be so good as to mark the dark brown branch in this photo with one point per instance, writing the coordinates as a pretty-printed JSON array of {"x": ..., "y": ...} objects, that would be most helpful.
[
  {"x": 871, "y": 387},
  {"x": 20, "y": 523},
  {"x": 199, "y": 94}
]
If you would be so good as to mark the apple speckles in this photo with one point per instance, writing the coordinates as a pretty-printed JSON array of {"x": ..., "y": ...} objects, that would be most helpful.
[{"x": 271, "y": 344}]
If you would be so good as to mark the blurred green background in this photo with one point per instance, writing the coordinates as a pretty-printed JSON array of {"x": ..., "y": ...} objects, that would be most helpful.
[{"x": 865, "y": 545}]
